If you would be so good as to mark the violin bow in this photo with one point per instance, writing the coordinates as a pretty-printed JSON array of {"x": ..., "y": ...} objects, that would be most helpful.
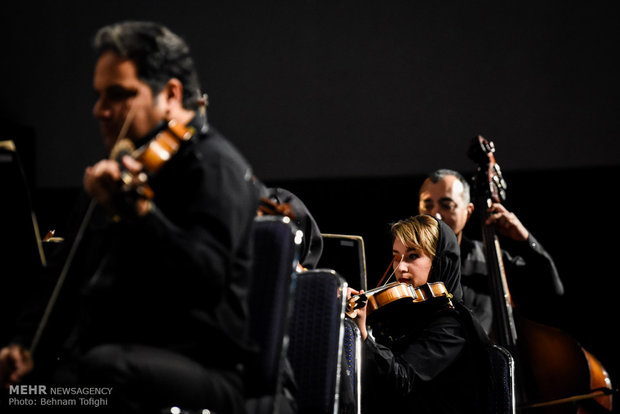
[
  {"x": 74, "y": 247},
  {"x": 388, "y": 270}
]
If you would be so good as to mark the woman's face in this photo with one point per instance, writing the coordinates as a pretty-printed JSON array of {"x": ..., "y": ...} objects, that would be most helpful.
[{"x": 414, "y": 267}]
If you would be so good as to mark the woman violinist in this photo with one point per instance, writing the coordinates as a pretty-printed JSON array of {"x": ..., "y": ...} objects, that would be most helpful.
[{"x": 423, "y": 357}]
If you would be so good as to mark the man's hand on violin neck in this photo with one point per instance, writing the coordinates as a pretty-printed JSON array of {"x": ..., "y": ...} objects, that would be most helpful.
[
  {"x": 133, "y": 166},
  {"x": 102, "y": 180},
  {"x": 104, "y": 183}
]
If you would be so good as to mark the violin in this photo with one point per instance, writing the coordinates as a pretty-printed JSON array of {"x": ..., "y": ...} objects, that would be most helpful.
[
  {"x": 267, "y": 207},
  {"x": 153, "y": 155},
  {"x": 396, "y": 292}
]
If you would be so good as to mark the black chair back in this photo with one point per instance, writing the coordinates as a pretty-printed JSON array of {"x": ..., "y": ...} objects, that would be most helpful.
[
  {"x": 316, "y": 340},
  {"x": 502, "y": 397},
  {"x": 276, "y": 252}
]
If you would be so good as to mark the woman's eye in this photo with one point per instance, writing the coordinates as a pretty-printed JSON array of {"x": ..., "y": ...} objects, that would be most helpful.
[{"x": 412, "y": 256}]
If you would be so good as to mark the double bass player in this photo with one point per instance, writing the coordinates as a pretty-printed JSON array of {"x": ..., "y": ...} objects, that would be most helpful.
[{"x": 445, "y": 194}]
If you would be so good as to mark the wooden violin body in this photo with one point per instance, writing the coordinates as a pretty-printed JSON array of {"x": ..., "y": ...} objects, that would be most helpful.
[
  {"x": 397, "y": 292},
  {"x": 153, "y": 155},
  {"x": 554, "y": 373},
  {"x": 166, "y": 144}
]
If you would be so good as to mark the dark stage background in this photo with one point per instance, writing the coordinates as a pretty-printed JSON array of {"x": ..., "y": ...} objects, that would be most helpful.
[{"x": 349, "y": 105}]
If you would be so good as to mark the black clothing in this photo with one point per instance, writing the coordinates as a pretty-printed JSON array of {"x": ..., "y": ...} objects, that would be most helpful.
[
  {"x": 179, "y": 276},
  {"x": 145, "y": 379},
  {"x": 531, "y": 266},
  {"x": 312, "y": 242},
  {"x": 173, "y": 282},
  {"x": 429, "y": 360}
]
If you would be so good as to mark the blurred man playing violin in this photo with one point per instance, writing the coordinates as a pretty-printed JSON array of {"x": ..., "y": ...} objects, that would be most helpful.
[{"x": 155, "y": 301}]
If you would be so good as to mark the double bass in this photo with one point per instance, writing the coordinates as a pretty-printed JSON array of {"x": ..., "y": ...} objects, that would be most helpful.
[{"x": 554, "y": 373}]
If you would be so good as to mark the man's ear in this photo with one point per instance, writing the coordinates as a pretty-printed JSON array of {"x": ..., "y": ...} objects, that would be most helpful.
[
  {"x": 172, "y": 93},
  {"x": 470, "y": 210}
]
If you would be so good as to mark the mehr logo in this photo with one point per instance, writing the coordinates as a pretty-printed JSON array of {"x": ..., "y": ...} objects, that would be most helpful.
[{"x": 28, "y": 389}]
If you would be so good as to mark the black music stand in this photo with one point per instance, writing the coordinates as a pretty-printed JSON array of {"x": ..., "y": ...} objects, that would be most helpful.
[
  {"x": 346, "y": 255},
  {"x": 21, "y": 253}
]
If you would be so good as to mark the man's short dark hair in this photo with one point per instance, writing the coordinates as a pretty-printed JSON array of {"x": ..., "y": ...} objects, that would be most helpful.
[
  {"x": 437, "y": 175},
  {"x": 158, "y": 53}
]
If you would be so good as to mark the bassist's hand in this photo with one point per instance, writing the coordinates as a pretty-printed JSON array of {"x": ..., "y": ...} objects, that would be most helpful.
[{"x": 506, "y": 223}]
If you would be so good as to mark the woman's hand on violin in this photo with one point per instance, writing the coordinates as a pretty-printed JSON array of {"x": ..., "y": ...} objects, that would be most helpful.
[
  {"x": 15, "y": 363},
  {"x": 358, "y": 314},
  {"x": 506, "y": 223}
]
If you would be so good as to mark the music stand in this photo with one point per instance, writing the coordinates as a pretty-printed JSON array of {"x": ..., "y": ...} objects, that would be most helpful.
[
  {"x": 21, "y": 252},
  {"x": 346, "y": 255}
]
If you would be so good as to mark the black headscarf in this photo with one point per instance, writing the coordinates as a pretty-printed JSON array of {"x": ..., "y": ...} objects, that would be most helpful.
[
  {"x": 312, "y": 242},
  {"x": 446, "y": 266}
]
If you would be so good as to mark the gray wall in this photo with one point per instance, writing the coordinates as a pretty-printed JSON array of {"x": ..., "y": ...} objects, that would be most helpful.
[{"x": 319, "y": 89}]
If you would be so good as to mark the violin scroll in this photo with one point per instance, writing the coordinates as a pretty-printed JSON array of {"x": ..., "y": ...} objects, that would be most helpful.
[{"x": 356, "y": 302}]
